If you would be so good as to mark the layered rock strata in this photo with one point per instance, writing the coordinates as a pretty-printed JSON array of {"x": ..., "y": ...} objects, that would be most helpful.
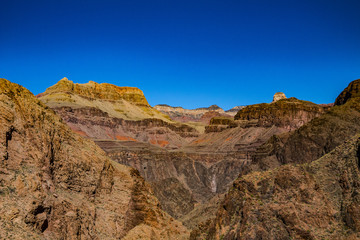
[
  {"x": 107, "y": 112},
  {"x": 54, "y": 184},
  {"x": 319, "y": 200}
]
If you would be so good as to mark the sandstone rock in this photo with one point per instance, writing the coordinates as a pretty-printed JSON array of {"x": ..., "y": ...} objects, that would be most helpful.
[
  {"x": 193, "y": 115},
  {"x": 278, "y": 96},
  {"x": 93, "y": 90},
  {"x": 350, "y": 92},
  {"x": 314, "y": 201},
  {"x": 314, "y": 139},
  {"x": 290, "y": 113},
  {"x": 107, "y": 112},
  {"x": 73, "y": 191}
]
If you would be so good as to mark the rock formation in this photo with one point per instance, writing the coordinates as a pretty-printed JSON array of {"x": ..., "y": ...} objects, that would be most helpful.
[
  {"x": 314, "y": 139},
  {"x": 93, "y": 90},
  {"x": 253, "y": 125},
  {"x": 278, "y": 96},
  {"x": 290, "y": 113},
  {"x": 202, "y": 115},
  {"x": 54, "y": 184},
  {"x": 312, "y": 201},
  {"x": 107, "y": 112},
  {"x": 350, "y": 92},
  {"x": 234, "y": 110}
]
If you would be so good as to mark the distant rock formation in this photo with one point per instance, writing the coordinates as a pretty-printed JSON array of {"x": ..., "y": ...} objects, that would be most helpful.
[
  {"x": 108, "y": 112},
  {"x": 278, "y": 96},
  {"x": 93, "y": 90},
  {"x": 196, "y": 115},
  {"x": 234, "y": 110},
  {"x": 290, "y": 113}
]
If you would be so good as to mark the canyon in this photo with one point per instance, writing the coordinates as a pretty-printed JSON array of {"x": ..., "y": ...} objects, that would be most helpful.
[{"x": 262, "y": 171}]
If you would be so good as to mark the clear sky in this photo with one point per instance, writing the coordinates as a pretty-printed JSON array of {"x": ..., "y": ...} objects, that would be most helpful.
[{"x": 189, "y": 53}]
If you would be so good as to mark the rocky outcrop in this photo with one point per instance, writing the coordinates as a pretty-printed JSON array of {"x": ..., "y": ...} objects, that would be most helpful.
[
  {"x": 350, "y": 92},
  {"x": 107, "y": 112},
  {"x": 120, "y": 102},
  {"x": 93, "y": 90},
  {"x": 313, "y": 201},
  {"x": 54, "y": 184},
  {"x": 289, "y": 113},
  {"x": 314, "y": 139},
  {"x": 278, "y": 96},
  {"x": 253, "y": 125}
]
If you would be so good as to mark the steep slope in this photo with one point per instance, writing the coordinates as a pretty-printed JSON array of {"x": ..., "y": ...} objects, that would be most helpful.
[
  {"x": 319, "y": 200},
  {"x": 180, "y": 180},
  {"x": 350, "y": 92},
  {"x": 315, "y": 138},
  {"x": 107, "y": 112},
  {"x": 55, "y": 184}
]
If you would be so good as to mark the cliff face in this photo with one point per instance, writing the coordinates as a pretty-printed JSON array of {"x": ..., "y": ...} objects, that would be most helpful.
[
  {"x": 253, "y": 125},
  {"x": 93, "y": 90},
  {"x": 290, "y": 113},
  {"x": 55, "y": 184},
  {"x": 180, "y": 180},
  {"x": 120, "y": 102},
  {"x": 314, "y": 139},
  {"x": 351, "y": 92},
  {"x": 313, "y": 201},
  {"x": 107, "y": 112}
]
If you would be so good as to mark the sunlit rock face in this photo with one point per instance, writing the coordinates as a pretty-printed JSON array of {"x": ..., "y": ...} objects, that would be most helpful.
[
  {"x": 351, "y": 92},
  {"x": 278, "y": 96},
  {"x": 108, "y": 112},
  {"x": 54, "y": 184},
  {"x": 311, "y": 201}
]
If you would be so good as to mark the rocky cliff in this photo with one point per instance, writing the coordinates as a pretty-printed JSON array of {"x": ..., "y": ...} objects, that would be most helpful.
[
  {"x": 107, "y": 112},
  {"x": 290, "y": 113},
  {"x": 180, "y": 180},
  {"x": 350, "y": 92},
  {"x": 314, "y": 139},
  {"x": 54, "y": 184},
  {"x": 93, "y": 90},
  {"x": 319, "y": 200},
  {"x": 253, "y": 125}
]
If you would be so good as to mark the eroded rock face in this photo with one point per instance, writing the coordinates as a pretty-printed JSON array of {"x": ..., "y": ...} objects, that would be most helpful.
[
  {"x": 202, "y": 115},
  {"x": 351, "y": 91},
  {"x": 314, "y": 139},
  {"x": 315, "y": 201},
  {"x": 290, "y": 113},
  {"x": 107, "y": 112},
  {"x": 55, "y": 184},
  {"x": 180, "y": 180},
  {"x": 93, "y": 90},
  {"x": 278, "y": 96},
  {"x": 96, "y": 124}
]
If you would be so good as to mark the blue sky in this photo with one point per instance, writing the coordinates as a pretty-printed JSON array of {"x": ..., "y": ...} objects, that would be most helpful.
[{"x": 185, "y": 53}]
